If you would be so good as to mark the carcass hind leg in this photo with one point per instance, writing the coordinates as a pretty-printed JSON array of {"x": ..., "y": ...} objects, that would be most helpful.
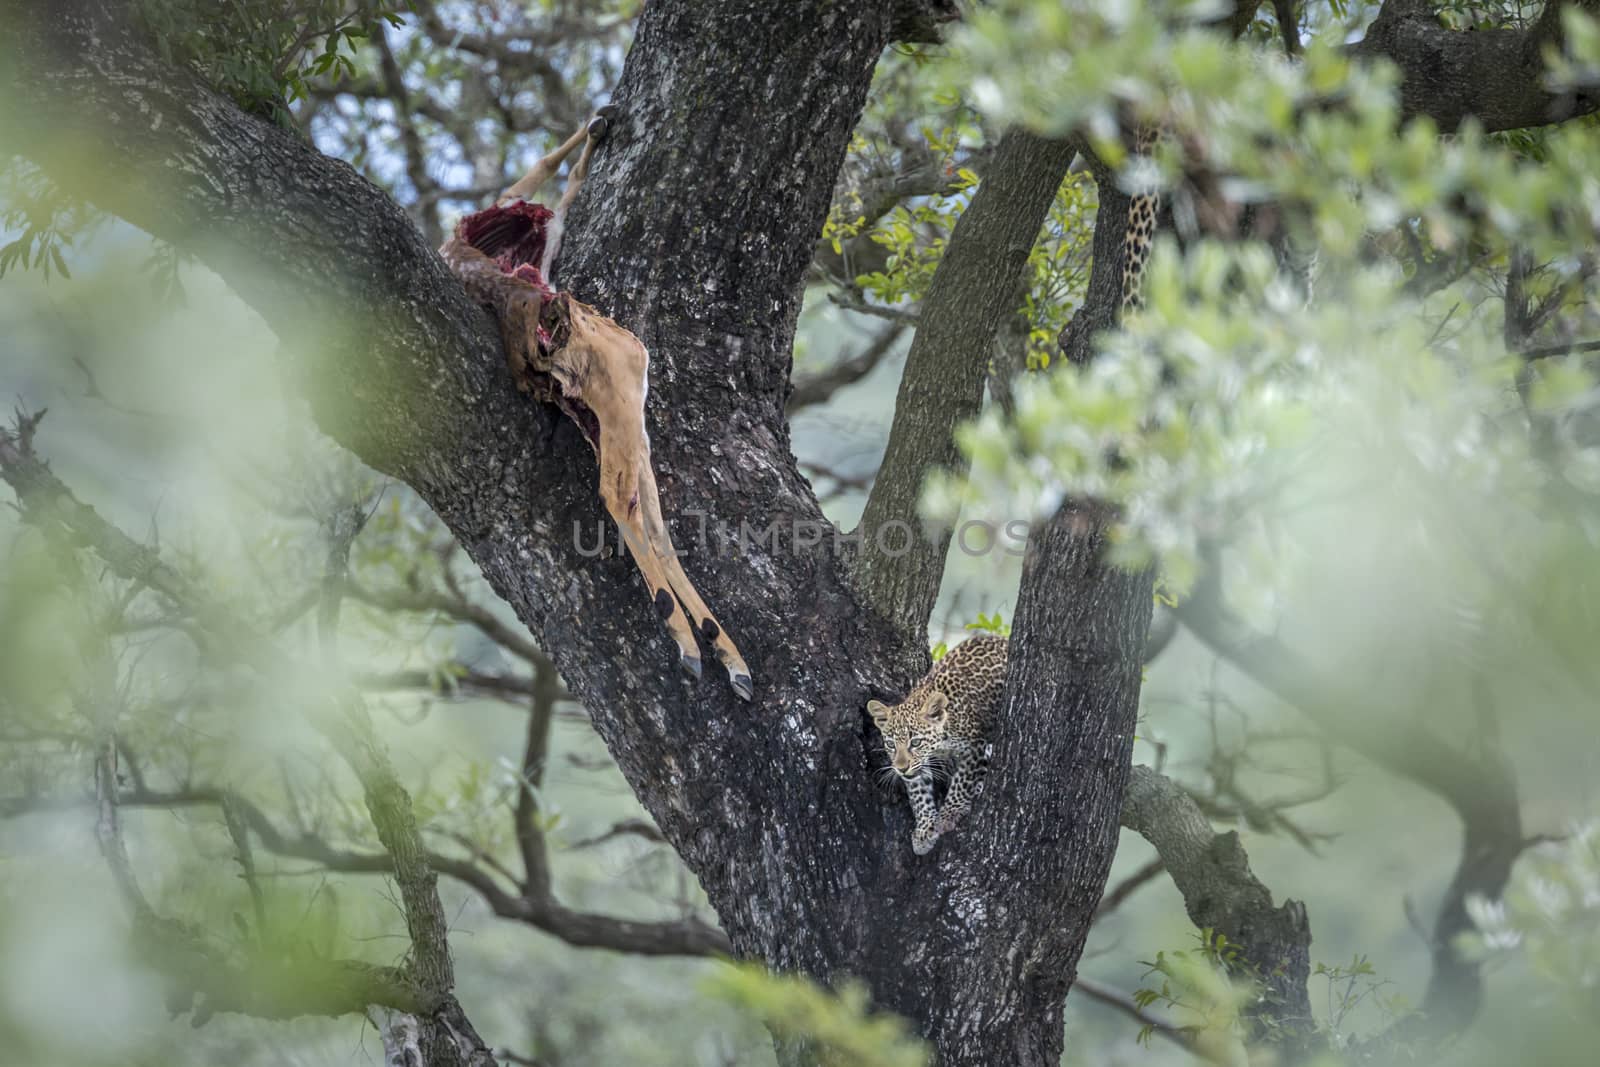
[
  {"x": 705, "y": 623},
  {"x": 596, "y": 130},
  {"x": 528, "y": 185},
  {"x": 545, "y": 169},
  {"x": 666, "y": 605}
]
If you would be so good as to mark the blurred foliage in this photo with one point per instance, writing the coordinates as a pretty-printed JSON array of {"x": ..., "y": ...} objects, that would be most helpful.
[
  {"x": 1208, "y": 993},
  {"x": 45, "y": 223},
  {"x": 1238, "y": 370},
  {"x": 1205, "y": 989},
  {"x": 836, "y": 1028},
  {"x": 1549, "y": 917}
]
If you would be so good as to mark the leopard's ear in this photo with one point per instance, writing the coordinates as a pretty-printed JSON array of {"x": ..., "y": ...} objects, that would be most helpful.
[
  {"x": 878, "y": 709},
  {"x": 937, "y": 704}
]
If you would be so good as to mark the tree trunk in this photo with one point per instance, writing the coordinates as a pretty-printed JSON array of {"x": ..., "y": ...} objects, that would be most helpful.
[{"x": 699, "y": 219}]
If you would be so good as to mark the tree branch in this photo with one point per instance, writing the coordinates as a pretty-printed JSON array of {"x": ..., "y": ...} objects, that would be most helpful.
[
  {"x": 44, "y": 499},
  {"x": 410, "y": 141},
  {"x": 511, "y": 638},
  {"x": 508, "y": 687},
  {"x": 1102, "y": 300},
  {"x": 1497, "y": 76},
  {"x": 684, "y": 937},
  {"x": 1221, "y": 893},
  {"x": 1125, "y": 1004},
  {"x": 851, "y": 300},
  {"x": 820, "y": 387},
  {"x": 641, "y": 828},
  {"x": 1481, "y": 788},
  {"x": 1537, "y": 352},
  {"x": 536, "y": 751},
  {"x": 1119, "y": 893},
  {"x": 972, "y": 291}
]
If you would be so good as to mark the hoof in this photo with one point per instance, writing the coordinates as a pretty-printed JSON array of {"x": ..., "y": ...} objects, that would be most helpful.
[
  {"x": 690, "y": 665},
  {"x": 600, "y": 125},
  {"x": 742, "y": 685}
]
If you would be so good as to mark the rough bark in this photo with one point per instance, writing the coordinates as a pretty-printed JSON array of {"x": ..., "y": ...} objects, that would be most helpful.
[
  {"x": 1498, "y": 77},
  {"x": 974, "y": 288},
  {"x": 695, "y": 230},
  {"x": 1050, "y": 820}
]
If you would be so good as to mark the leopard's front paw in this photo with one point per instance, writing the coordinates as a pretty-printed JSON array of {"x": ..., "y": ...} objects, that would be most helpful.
[
  {"x": 923, "y": 838},
  {"x": 951, "y": 814}
]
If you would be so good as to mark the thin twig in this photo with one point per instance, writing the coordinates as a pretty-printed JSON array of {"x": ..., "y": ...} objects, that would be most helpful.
[
  {"x": 1122, "y": 1002},
  {"x": 1118, "y": 894}
]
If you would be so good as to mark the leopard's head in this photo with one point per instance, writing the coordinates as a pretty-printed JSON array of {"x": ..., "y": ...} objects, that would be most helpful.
[{"x": 911, "y": 729}]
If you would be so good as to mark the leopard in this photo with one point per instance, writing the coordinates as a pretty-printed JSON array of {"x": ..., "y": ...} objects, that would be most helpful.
[{"x": 941, "y": 731}]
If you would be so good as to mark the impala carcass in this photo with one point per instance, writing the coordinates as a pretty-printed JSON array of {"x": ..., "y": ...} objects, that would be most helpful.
[{"x": 563, "y": 351}]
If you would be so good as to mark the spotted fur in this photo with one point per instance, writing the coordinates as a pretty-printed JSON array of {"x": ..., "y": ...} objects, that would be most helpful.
[
  {"x": 1141, "y": 233},
  {"x": 941, "y": 730}
]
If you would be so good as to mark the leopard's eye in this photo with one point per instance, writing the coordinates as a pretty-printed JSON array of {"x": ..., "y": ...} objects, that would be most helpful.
[{"x": 916, "y": 743}]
